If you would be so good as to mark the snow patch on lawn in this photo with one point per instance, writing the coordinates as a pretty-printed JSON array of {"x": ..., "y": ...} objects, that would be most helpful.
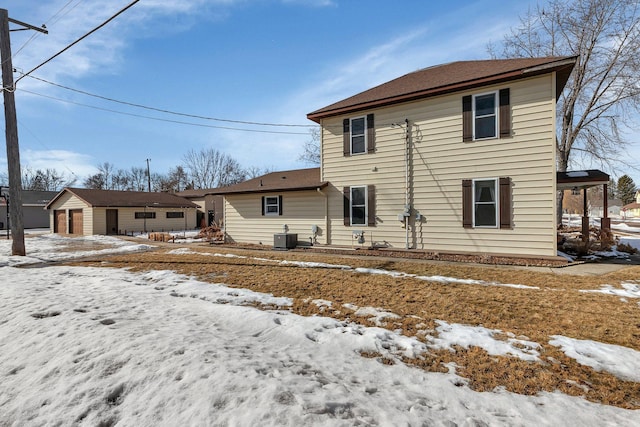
[
  {"x": 629, "y": 290},
  {"x": 450, "y": 334},
  {"x": 52, "y": 247},
  {"x": 623, "y": 362}
]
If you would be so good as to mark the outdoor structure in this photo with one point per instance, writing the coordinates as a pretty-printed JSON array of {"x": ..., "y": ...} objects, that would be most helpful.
[
  {"x": 578, "y": 182},
  {"x": 87, "y": 212},
  {"x": 210, "y": 205},
  {"x": 632, "y": 210},
  {"x": 33, "y": 204},
  {"x": 454, "y": 158},
  {"x": 291, "y": 202}
]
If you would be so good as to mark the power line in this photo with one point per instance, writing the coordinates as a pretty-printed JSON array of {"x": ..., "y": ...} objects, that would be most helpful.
[
  {"x": 161, "y": 110},
  {"x": 49, "y": 22},
  {"x": 160, "y": 119},
  {"x": 79, "y": 40}
]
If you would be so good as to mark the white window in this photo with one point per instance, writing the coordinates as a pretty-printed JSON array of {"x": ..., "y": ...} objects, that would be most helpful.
[
  {"x": 485, "y": 115},
  {"x": 485, "y": 203},
  {"x": 358, "y": 135},
  {"x": 358, "y": 205},
  {"x": 272, "y": 205}
]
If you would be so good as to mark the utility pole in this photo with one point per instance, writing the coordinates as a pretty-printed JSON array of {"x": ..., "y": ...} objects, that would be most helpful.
[
  {"x": 148, "y": 175},
  {"x": 11, "y": 131}
]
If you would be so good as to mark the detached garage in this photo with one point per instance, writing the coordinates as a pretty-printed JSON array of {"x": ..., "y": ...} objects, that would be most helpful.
[{"x": 83, "y": 211}]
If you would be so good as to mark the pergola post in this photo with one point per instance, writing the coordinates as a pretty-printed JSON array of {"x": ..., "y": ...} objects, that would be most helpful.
[
  {"x": 585, "y": 216},
  {"x": 605, "y": 221}
]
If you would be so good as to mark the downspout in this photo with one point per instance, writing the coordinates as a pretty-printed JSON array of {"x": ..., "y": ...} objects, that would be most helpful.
[
  {"x": 326, "y": 215},
  {"x": 407, "y": 207}
]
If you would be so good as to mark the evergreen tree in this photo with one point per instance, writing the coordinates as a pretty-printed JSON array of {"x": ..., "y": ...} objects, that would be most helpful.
[
  {"x": 612, "y": 189},
  {"x": 626, "y": 189}
]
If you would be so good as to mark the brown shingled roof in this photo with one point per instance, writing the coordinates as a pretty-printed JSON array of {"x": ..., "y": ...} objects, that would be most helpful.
[
  {"x": 450, "y": 77},
  {"x": 293, "y": 180},
  {"x": 126, "y": 199}
]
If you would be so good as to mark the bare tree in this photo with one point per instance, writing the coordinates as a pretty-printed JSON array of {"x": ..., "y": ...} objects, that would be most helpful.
[
  {"x": 95, "y": 181},
  {"x": 209, "y": 168},
  {"x": 4, "y": 179},
  {"x": 311, "y": 149},
  {"x": 137, "y": 179},
  {"x": 604, "y": 88},
  {"x": 176, "y": 179},
  {"x": 256, "y": 171},
  {"x": 107, "y": 178},
  {"x": 44, "y": 180},
  {"x": 107, "y": 170}
]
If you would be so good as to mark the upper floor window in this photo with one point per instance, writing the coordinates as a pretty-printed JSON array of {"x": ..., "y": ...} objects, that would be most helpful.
[
  {"x": 485, "y": 116},
  {"x": 358, "y": 136}
]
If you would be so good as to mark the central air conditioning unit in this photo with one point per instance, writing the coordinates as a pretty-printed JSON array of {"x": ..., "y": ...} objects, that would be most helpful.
[{"x": 285, "y": 240}]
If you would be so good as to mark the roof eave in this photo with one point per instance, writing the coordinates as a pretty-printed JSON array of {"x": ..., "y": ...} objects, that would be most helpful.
[
  {"x": 274, "y": 189},
  {"x": 565, "y": 65}
]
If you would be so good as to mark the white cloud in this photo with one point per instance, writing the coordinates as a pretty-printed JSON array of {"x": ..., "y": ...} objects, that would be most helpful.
[{"x": 70, "y": 163}]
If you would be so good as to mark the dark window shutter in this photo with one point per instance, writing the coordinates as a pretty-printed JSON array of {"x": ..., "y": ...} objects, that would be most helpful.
[
  {"x": 347, "y": 205},
  {"x": 505, "y": 114},
  {"x": 346, "y": 138},
  {"x": 263, "y": 205},
  {"x": 467, "y": 204},
  {"x": 371, "y": 135},
  {"x": 505, "y": 202},
  {"x": 467, "y": 119},
  {"x": 371, "y": 205},
  {"x": 280, "y": 205}
]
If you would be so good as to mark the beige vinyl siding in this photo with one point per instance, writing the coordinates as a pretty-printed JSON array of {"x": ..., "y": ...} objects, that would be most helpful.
[
  {"x": 301, "y": 210},
  {"x": 67, "y": 202},
  {"x": 439, "y": 161},
  {"x": 100, "y": 221},
  {"x": 127, "y": 220}
]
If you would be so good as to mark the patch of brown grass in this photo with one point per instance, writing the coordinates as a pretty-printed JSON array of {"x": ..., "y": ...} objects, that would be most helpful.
[{"x": 556, "y": 308}]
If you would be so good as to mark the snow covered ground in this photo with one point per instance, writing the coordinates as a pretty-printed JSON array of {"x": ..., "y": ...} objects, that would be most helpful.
[{"x": 92, "y": 346}]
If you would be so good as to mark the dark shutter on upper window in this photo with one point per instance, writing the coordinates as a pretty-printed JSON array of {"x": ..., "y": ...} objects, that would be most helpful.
[
  {"x": 346, "y": 138},
  {"x": 505, "y": 113},
  {"x": 371, "y": 205},
  {"x": 371, "y": 135},
  {"x": 467, "y": 202},
  {"x": 279, "y": 205},
  {"x": 467, "y": 119},
  {"x": 505, "y": 202},
  {"x": 263, "y": 205},
  {"x": 347, "y": 205}
]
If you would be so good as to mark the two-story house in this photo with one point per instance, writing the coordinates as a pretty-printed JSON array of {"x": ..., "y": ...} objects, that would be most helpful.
[{"x": 457, "y": 158}]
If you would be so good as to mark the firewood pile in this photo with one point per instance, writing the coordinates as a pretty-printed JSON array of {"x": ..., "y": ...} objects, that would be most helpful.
[
  {"x": 161, "y": 237},
  {"x": 212, "y": 234}
]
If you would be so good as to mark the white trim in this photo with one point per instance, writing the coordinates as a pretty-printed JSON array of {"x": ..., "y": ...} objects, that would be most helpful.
[
  {"x": 496, "y": 186},
  {"x": 364, "y": 134},
  {"x": 366, "y": 203},
  {"x": 496, "y": 110}
]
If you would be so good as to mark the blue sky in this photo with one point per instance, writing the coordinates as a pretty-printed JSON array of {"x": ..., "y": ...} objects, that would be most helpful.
[{"x": 268, "y": 61}]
